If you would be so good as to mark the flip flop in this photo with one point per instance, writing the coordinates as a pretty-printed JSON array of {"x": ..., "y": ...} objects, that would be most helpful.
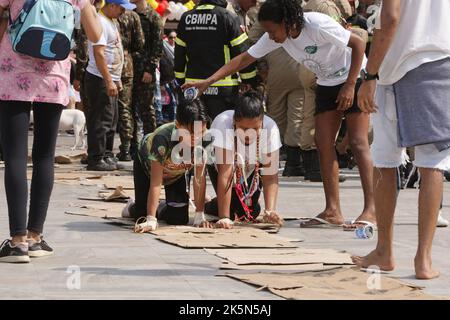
[
  {"x": 359, "y": 222},
  {"x": 324, "y": 224}
]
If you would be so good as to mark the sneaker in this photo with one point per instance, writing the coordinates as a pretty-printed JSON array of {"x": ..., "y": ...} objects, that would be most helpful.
[
  {"x": 100, "y": 166},
  {"x": 126, "y": 211},
  {"x": 14, "y": 254},
  {"x": 441, "y": 222},
  {"x": 124, "y": 156},
  {"x": 113, "y": 162},
  {"x": 39, "y": 249}
]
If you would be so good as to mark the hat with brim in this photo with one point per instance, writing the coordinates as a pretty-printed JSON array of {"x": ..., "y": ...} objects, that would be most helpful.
[{"x": 123, "y": 3}]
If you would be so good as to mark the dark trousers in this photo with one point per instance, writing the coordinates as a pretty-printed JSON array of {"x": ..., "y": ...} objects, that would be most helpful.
[
  {"x": 176, "y": 209},
  {"x": 101, "y": 119},
  {"x": 14, "y": 124},
  {"x": 215, "y": 105},
  {"x": 236, "y": 208}
]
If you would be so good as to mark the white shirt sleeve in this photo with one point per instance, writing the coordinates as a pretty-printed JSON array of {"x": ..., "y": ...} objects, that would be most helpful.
[
  {"x": 263, "y": 47},
  {"x": 329, "y": 30},
  {"x": 222, "y": 132}
]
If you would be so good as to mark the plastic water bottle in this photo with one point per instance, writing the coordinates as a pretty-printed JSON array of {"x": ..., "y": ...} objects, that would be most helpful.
[
  {"x": 365, "y": 232},
  {"x": 191, "y": 94}
]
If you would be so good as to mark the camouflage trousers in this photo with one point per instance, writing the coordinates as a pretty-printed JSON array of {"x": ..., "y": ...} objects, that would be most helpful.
[
  {"x": 126, "y": 119},
  {"x": 143, "y": 105}
]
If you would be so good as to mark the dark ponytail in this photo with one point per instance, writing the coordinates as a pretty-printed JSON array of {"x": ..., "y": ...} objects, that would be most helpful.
[
  {"x": 249, "y": 106},
  {"x": 289, "y": 12},
  {"x": 188, "y": 112}
]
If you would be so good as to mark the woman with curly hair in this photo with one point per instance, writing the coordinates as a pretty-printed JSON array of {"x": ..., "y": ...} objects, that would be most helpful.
[{"x": 336, "y": 56}]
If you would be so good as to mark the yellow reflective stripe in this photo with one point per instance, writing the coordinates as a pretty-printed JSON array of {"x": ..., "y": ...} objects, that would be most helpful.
[
  {"x": 205, "y": 7},
  {"x": 239, "y": 40},
  {"x": 246, "y": 76},
  {"x": 221, "y": 83},
  {"x": 180, "y": 42},
  {"x": 227, "y": 54},
  {"x": 180, "y": 75}
]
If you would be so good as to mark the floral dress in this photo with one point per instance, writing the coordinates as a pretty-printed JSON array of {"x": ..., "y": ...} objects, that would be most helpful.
[{"x": 24, "y": 78}]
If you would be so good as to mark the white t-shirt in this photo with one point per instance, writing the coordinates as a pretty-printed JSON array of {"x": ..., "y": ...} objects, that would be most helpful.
[
  {"x": 223, "y": 133},
  {"x": 113, "y": 50},
  {"x": 423, "y": 36},
  {"x": 322, "y": 47}
]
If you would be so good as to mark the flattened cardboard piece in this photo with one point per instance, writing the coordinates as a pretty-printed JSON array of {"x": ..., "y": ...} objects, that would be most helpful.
[
  {"x": 273, "y": 268},
  {"x": 94, "y": 213},
  {"x": 342, "y": 284},
  {"x": 112, "y": 182},
  {"x": 106, "y": 206},
  {"x": 268, "y": 227},
  {"x": 76, "y": 176},
  {"x": 62, "y": 159},
  {"x": 284, "y": 256},
  {"x": 118, "y": 194},
  {"x": 220, "y": 238},
  {"x": 99, "y": 210}
]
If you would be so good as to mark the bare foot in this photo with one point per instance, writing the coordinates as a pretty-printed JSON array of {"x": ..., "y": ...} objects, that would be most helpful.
[
  {"x": 332, "y": 216},
  {"x": 381, "y": 259},
  {"x": 424, "y": 270}
]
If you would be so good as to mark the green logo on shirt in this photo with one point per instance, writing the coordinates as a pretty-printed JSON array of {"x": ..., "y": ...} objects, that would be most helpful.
[{"x": 311, "y": 49}]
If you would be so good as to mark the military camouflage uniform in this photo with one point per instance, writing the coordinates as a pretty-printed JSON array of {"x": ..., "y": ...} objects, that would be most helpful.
[
  {"x": 133, "y": 42},
  {"x": 146, "y": 60}
]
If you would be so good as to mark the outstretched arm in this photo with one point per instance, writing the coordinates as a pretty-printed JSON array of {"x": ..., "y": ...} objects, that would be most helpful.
[{"x": 235, "y": 65}]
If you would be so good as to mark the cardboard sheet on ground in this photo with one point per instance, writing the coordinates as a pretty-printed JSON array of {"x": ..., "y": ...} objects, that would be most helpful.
[
  {"x": 342, "y": 284},
  {"x": 196, "y": 238},
  {"x": 112, "y": 182},
  {"x": 284, "y": 256},
  {"x": 290, "y": 268},
  {"x": 70, "y": 158},
  {"x": 99, "y": 210},
  {"x": 268, "y": 227}
]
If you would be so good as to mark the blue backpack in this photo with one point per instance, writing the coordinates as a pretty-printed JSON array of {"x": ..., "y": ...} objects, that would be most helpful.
[{"x": 43, "y": 29}]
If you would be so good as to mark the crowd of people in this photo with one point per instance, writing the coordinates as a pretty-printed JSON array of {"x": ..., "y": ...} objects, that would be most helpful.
[{"x": 277, "y": 80}]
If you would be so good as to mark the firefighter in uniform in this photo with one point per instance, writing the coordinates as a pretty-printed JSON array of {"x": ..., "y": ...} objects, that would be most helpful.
[{"x": 208, "y": 38}]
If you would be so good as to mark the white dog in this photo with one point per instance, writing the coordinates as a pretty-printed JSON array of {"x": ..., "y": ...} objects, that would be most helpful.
[{"x": 72, "y": 119}]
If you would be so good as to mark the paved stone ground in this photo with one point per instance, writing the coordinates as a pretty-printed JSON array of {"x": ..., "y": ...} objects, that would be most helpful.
[{"x": 117, "y": 264}]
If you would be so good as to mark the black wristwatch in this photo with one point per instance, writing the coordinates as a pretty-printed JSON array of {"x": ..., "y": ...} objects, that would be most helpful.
[{"x": 368, "y": 77}]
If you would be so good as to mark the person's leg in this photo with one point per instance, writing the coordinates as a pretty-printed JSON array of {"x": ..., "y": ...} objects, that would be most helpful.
[
  {"x": 100, "y": 117},
  {"x": 46, "y": 123},
  {"x": 141, "y": 188},
  {"x": 126, "y": 122},
  {"x": 385, "y": 191},
  {"x": 358, "y": 128},
  {"x": 111, "y": 134},
  {"x": 307, "y": 128},
  {"x": 430, "y": 196},
  {"x": 387, "y": 157},
  {"x": 14, "y": 123},
  {"x": 145, "y": 105},
  {"x": 327, "y": 126},
  {"x": 176, "y": 211}
]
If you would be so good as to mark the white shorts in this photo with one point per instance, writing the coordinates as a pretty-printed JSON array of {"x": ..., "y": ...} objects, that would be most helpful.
[{"x": 386, "y": 152}]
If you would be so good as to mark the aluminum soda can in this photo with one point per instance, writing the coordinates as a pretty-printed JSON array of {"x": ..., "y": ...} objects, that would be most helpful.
[
  {"x": 364, "y": 232},
  {"x": 191, "y": 94}
]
